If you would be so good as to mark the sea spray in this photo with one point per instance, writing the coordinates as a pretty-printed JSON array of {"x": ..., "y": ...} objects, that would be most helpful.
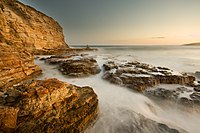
[{"x": 116, "y": 101}]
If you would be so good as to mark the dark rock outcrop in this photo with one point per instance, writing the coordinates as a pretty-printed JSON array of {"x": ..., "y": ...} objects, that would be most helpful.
[
  {"x": 27, "y": 27},
  {"x": 75, "y": 65},
  {"x": 182, "y": 95},
  {"x": 140, "y": 76},
  {"x": 79, "y": 67},
  {"x": 197, "y": 74},
  {"x": 47, "y": 106},
  {"x": 16, "y": 64}
]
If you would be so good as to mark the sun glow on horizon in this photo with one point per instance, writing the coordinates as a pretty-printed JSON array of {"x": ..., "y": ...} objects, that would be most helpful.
[{"x": 125, "y": 22}]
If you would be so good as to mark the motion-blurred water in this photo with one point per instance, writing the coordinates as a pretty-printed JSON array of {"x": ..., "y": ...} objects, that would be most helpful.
[{"x": 115, "y": 100}]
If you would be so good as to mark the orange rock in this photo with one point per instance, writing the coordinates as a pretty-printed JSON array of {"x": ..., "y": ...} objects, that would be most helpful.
[{"x": 31, "y": 29}]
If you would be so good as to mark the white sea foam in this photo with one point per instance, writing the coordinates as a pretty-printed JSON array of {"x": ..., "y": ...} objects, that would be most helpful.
[{"x": 113, "y": 98}]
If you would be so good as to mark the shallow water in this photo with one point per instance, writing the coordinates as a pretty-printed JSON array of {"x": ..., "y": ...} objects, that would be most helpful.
[{"x": 114, "y": 99}]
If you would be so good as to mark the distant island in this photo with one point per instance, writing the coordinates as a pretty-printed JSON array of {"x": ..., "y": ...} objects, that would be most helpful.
[{"x": 192, "y": 44}]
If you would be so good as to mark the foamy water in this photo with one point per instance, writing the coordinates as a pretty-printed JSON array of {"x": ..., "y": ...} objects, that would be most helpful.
[{"x": 114, "y": 99}]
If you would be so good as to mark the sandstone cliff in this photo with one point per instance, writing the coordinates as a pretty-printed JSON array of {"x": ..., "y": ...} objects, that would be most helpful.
[
  {"x": 27, "y": 27},
  {"x": 16, "y": 64},
  {"x": 36, "y": 106}
]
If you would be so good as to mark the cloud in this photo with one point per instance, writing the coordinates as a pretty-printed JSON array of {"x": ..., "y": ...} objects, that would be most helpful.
[{"x": 159, "y": 37}]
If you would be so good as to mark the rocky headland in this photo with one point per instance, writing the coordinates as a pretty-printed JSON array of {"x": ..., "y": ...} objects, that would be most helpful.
[
  {"x": 192, "y": 44},
  {"x": 39, "y": 105},
  {"x": 24, "y": 26},
  {"x": 50, "y": 105}
]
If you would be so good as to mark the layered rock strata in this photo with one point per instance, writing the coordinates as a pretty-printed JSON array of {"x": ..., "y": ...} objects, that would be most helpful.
[
  {"x": 29, "y": 28},
  {"x": 75, "y": 65},
  {"x": 16, "y": 64},
  {"x": 47, "y": 106},
  {"x": 140, "y": 76},
  {"x": 79, "y": 67}
]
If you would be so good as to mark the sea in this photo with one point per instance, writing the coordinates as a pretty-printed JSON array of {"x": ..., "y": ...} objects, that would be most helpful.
[{"x": 114, "y": 100}]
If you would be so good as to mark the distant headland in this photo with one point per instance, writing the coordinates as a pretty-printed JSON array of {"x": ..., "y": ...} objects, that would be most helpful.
[{"x": 192, "y": 44}]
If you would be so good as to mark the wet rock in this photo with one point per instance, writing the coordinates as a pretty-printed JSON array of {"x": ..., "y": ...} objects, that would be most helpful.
[
  {"x": 74, "y": 65},
  {"x": 195, "y": 97},
  {"x": 57, "y": 59},
  {"x": 186, "y": 101},
  {"x": 140, "y": 76},
  {"x": 197, "y": 74},
  {"x": 197, "y": 88},
  {"x": 180, "y": 95},
  {"x": 161, "y": 93},
  {"x": 79, "y": 67},
  {"x": 49, "y": 106},
  {"x": 182, "y": 89},
  {"x": 110, "y": 65}
]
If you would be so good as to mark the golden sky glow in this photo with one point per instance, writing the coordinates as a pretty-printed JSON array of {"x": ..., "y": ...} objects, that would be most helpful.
[{"x": 125, "y": 21}]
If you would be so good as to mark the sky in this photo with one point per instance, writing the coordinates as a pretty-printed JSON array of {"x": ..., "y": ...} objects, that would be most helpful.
[{"x": 124, "y": 21}]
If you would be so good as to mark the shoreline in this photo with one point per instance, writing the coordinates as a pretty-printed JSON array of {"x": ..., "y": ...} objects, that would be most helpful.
[{"x": 104, "y": 97}]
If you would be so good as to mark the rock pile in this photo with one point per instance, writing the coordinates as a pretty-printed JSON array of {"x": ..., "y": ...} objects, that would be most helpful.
[{"x": 47, "y": 106}]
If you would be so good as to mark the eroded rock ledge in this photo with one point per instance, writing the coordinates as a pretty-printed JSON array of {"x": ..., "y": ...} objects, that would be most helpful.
[
  {"x": 16, "y": 64},
  {"x": 140, "y": 76},
  {"x": 75, "y": 65},
  {"x": 47, "y": 106}
]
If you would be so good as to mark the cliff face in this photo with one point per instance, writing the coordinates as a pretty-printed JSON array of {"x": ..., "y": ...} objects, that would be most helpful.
[
  {"x": 16, "y": 64},
  {"x": 23, "y": 25},
  {"x": 23, "y": 30}
]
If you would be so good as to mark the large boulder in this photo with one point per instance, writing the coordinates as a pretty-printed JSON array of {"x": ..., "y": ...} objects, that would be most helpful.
[
  {"x": 16, "y": 64},
  {"x": 79, "y": 67},
  {"x": 48, "y": 106},
  {"x": 140, "y": 76},
  {"x": 27, "y": 27},
  {"x": 74, "y": 65}
]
